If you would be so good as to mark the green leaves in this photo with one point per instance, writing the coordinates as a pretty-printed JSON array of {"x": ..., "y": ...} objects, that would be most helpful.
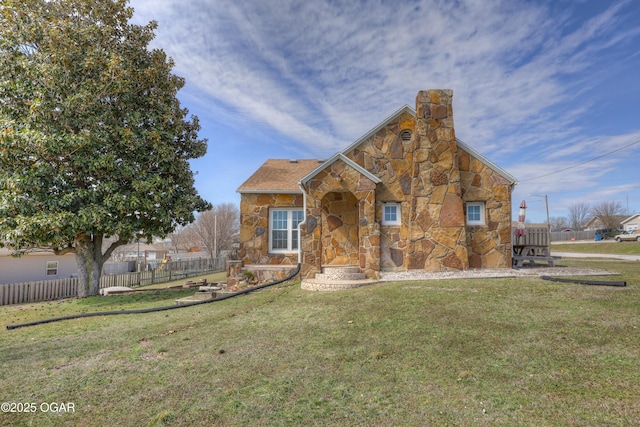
[{"x": 93, "y": 140}]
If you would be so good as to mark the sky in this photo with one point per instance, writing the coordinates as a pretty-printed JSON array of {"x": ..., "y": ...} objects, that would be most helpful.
[{"x": 549, "y": 90}]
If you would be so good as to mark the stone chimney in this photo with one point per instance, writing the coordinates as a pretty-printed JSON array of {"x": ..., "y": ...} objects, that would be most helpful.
[{"x": 437, "y": 222}]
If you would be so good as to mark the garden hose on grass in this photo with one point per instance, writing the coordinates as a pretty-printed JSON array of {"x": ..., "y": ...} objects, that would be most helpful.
[
  {"x": 585, "y": 282},
  {"x": 154, "y": 309}
]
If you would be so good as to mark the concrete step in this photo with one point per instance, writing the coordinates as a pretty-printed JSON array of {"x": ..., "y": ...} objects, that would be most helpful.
[
  {"x": 340, "y": 276},
  {"x": 334, "y": 285},
  {"x": 337, "y": 277},
  {"x": 210, "y": 288},
  {"x": 345, "y": 268},
  {"x": 198, "y": 296},
  {"x": 204, "y": 295},
  {"x": 340, "y": 272}
]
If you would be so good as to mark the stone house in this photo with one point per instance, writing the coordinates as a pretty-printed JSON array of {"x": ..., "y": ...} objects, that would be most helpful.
[{"x": 406, "y": 195}]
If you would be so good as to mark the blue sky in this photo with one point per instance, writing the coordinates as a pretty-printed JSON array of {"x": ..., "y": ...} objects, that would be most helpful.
[{"x": 539, "y": 86}]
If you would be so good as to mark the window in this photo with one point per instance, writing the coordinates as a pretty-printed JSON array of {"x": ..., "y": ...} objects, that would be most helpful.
[
  {"x": 391, "y": 214},
  {"x": 283, "y": 229},
  {"x": 52, "y": 268},
  {"x": 475, "y": 213}
]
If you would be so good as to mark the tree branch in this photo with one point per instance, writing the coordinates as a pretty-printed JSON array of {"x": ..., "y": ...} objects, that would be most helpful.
[
  {"x": 68, "y": 250},
  {"x": 115, "y": 245}
]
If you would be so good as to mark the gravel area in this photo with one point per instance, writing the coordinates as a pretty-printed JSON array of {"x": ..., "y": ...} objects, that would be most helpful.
[{"x": 534, "y": 270}]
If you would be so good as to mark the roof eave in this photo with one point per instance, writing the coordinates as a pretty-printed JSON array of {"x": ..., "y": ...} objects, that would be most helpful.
[
  {"x": 506, "y": 175},
  {"x": 405, "y": 109},
  {"x": 629, "y": 218}
]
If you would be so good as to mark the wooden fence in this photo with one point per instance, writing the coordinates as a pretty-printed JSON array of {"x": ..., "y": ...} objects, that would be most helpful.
[
  {"x": 48, "y": 290},
  {"x": 564, "y": 236}
]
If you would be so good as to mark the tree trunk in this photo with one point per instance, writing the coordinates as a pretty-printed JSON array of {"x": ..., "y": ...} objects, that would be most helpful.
[{"x": 90, "y": 260}]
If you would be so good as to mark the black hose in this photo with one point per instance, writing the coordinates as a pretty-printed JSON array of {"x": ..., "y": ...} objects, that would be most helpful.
[
  {"x": 585, "y": 282},
  {"x": 154, "y": 309}
]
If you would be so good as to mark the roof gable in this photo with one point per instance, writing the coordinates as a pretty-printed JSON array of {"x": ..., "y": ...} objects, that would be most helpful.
[
  {"x": 284, "y": 176},
  {"x": 339, "y": 156},
  {"x": 408, "y": 110},
  {"x": 393, "y": 117},
  {"x": 631, "y": 218}
]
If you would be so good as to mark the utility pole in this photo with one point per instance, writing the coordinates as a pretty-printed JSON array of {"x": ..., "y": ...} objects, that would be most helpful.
[{"x": 546, "y": 203}]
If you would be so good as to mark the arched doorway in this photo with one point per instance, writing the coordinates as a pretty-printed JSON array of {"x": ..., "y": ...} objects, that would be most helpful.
[{"x": 340, "y": 225}]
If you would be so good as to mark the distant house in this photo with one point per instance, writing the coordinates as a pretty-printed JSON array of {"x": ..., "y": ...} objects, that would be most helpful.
[
  {"x": 36, "y": 266},
  {"x": 597, "y": 223},
  {"x": 631, "y": 223},
  {"x": 407, "y": 195}
]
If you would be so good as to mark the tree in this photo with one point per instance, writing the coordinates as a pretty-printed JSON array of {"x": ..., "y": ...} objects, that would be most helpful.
[
  {"x": 93, "y": 140},
  {"x": 558, "y": 223},
  {"x": 609, "y": 213},
  {"x": 217, "y": 227},
  {"x": 183, "y": 238},
  {"x": 578, "y": 215}
]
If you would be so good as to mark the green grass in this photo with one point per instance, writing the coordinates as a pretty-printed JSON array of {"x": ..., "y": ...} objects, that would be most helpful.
[
  {"x": 624, "y": 248},
  {"x": 451, "y": 352},
  {"x": 211, "y": 278}
]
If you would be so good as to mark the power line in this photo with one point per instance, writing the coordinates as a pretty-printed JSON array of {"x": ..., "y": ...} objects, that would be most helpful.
[{"x": 583, "y": 163}]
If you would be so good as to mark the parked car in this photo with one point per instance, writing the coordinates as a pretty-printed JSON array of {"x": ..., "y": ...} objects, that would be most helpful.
[{"x": 628, "y": 236}]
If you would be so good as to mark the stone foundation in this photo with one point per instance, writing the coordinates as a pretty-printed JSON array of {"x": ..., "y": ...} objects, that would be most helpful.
[{"x": 238, "y": 272}]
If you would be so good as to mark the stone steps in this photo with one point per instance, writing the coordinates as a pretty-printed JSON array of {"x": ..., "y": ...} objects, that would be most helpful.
[
  {"x": 340, "y": 272},
  {"x": 337, "y": 277}
]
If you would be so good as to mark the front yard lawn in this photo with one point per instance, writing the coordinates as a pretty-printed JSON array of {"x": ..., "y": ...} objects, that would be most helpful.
[
  {"x": 608, "y": 247},
  {"x": 442, "y": 352}
]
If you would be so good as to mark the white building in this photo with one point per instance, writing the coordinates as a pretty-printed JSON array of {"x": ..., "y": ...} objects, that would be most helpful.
[
  {"x": 631, "y": 223},
  {"x": 36, "y": 266}
]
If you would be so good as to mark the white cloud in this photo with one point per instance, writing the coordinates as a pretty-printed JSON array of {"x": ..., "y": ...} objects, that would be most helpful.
[{"x": 322, "y": 73}]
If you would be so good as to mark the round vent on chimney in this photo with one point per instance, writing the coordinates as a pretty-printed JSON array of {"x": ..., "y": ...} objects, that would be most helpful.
[{"x": 405, "y": 135}]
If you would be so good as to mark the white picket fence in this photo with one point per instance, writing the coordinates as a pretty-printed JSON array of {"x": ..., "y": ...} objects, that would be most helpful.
[{"x": 49, "y": 290}]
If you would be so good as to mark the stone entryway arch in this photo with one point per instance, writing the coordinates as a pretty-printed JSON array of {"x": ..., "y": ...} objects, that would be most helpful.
[
  {"x": 338, "y": 193},
  {"x": 340, "y": 229}
]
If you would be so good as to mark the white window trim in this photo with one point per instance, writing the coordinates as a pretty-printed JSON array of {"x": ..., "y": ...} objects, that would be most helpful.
[
  {"x": 398, "y": 220},
  {"x": 289, "y": 230},
  {"x": 53, "y": 267},
  {"x": 482, "y": 220}
]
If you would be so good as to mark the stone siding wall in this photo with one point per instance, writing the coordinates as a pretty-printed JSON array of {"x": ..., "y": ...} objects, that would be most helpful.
[
  {"x": 340, "y": 239},
  {"x": 254, "y": 227},
  {"x": 431, "y": 177},
  {"x": 390, "y": 157},
  {"x": 490, "y": 244},
  {"x": 417, "y": 160}
]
